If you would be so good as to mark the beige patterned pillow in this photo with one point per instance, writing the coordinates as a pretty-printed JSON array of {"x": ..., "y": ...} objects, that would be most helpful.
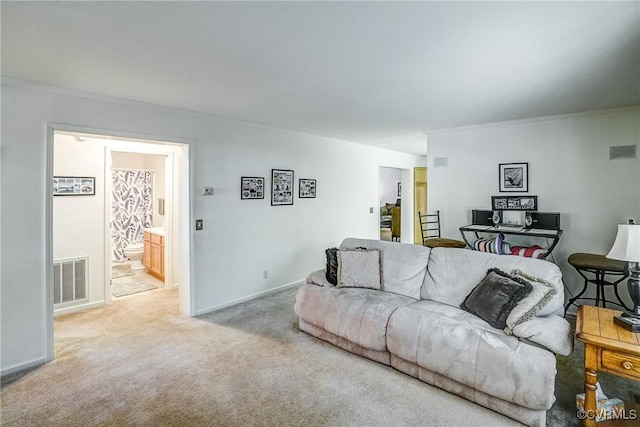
[
  {"x": 541, "y": 294},
  {"x": 359, "y": 269}
]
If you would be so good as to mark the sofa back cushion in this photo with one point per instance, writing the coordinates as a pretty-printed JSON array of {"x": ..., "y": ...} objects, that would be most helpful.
[
  {"x": 403, "y": 265},
  {"x": 453, "y": 273}
]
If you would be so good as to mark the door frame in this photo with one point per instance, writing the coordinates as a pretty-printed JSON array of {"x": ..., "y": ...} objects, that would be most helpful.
[{"x": 182, "y": 208}]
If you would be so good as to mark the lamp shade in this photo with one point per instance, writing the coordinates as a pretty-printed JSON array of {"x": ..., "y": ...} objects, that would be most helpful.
[{"x": 627, "y": 244}]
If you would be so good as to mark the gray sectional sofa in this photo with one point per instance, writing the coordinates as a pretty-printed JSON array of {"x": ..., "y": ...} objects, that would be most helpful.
[{"x": 415, "y": 324}]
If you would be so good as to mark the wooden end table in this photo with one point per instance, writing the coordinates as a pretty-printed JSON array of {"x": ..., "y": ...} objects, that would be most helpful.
[{"x": 608, "y": 348}]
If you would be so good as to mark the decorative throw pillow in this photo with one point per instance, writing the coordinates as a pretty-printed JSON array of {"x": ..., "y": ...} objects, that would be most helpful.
[
  {"x": 359, "y": 269},
  {"x": 496, "y": 245},
  {"x": 541, "y": 294},
  {"x": 331, "y": 269},
  {"x": 495, "y": 296},
  {"x": 534, "y": 251}
]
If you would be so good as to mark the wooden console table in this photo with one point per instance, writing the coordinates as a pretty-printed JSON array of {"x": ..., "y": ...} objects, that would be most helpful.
[
  {"x": 518, "y": 231},
  {"x": 608, "y": 348}
]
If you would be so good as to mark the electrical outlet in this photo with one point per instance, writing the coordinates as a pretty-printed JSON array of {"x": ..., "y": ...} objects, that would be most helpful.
[
  {"x": 265, "y": 274},
  {"x": 199, "y": 224},
  {"x": 207, "y": 191}
]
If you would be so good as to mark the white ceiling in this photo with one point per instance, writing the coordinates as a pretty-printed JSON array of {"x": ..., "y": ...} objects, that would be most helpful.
[{"x": 378, "y": 73}]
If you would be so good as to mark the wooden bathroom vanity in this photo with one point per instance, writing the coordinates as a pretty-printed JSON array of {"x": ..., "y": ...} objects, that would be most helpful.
[{"x": 153, "y": 257}]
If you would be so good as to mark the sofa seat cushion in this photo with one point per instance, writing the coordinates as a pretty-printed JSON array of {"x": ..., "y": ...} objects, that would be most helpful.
[
  {"x": 356, "y": 314},
  {"x": 463, "y": 347}
]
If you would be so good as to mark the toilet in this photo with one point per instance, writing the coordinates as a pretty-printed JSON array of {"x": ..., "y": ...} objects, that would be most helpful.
[{"x": 134, "y": 252}]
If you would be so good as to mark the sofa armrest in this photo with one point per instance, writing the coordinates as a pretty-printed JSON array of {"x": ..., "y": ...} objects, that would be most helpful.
[
  {"x": 553, "y": 333},
  {"x": 319, "y": 278}
]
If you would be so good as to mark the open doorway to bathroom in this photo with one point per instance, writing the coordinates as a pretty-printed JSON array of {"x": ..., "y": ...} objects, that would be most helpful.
[
  {"x": 134, "y": 196},
  {"x": 138, "y": 207}
]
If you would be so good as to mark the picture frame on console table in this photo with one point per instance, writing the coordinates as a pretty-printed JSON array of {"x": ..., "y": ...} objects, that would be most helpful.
[
  {"x": 513, "y": 177},
  {"x": 514, "y": 203},
  {"x": 281, "y": 187}
]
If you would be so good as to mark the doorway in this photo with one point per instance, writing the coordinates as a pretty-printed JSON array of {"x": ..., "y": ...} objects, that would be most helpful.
[
  {"x": 80, "y": 245},
  {"x": 390, "y": 202},
  {"x": 395, "y": 193}
]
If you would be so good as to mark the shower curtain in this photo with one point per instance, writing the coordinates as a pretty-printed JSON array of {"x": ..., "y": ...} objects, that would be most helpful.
[{"x": 131, "y": 209}]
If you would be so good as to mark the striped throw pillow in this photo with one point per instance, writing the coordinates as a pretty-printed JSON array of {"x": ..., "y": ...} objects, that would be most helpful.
[{"x": 496, "y": 245}]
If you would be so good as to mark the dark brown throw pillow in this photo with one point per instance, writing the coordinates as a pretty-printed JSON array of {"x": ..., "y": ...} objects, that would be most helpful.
[
  {"x": 495, "y": 296},
  {"x": 331, "y": 269}
]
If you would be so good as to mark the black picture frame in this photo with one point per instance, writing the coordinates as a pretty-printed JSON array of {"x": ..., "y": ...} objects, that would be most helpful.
[
  {"x": 307, "y": 188},
  {"x": 514, "y": 203},
  {"x": 251, "y": 187},
  {"x": 74, "y": 186},
  {"x": 281, "y": 187},
  {"x": 513, "y": 177}
]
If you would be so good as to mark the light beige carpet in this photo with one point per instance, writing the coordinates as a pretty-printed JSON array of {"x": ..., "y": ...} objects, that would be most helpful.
[{"x": 139, "y": 361}]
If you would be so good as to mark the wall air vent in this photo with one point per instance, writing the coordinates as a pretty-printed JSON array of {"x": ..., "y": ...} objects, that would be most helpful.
[
  {"x": 440, "y": 162},
  {"x": 70, "y": 280},
  {"x": 622, "y": 152}
]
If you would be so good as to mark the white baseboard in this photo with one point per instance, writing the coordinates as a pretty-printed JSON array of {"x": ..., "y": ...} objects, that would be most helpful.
[
  {"x": 72, "y": 309},
  {"x": 23, "y": 366},
  {"x": 249, "y": 297}
]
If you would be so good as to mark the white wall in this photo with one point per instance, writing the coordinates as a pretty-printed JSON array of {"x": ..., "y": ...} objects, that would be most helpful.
[
  {"x": 569, "y": 171},
  {"x": 79, "y": 221},
  {"x": 389, "y": 179},
  {"x": 241, "y": 237}
]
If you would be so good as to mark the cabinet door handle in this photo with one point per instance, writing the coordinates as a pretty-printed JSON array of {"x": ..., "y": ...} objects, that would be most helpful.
[{"x": 627, "y": 365}]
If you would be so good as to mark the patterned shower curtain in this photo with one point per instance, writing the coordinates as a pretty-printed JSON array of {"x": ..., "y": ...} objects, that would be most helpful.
[{"x": 131, "y": 209}]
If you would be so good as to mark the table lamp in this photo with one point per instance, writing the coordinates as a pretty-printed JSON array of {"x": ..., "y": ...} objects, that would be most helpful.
[{"x": 627, "y": 248}]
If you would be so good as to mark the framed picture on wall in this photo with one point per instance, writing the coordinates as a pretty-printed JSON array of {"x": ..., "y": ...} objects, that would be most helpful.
[
  {"x": 74, "y": 186},
  {"x": 307, "y": 188},
  {"x": 252, "y": 187},
  {"x": 514, "y": 177},
  {"x": 281, "y": 187}
]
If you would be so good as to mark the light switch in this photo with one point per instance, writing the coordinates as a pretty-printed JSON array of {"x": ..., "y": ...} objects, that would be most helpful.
[{"x": 199, "y": 224}]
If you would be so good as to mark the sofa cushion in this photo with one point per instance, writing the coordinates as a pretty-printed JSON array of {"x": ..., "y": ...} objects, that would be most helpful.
[
  {"x": 453, "y": 273},
  {"x": 331, "y": 268},
  {"x": 461, "y": 346},
  {"x": 403, "y": 265},
  {"x": 540, "y": 296},
  {"x": 359, "y": 269},
  {"x": 358, "y": 315},
  {"x": 495, "y": 296}
]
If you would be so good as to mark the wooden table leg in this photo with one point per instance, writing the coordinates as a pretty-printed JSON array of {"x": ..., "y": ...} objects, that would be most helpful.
[{"x": 590, "y": 380}]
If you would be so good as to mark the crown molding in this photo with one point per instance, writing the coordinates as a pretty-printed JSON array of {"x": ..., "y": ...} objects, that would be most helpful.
[{"x": 614, "y": 110}]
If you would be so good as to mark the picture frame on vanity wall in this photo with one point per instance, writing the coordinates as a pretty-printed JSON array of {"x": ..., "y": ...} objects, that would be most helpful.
[
  {"x": 513, "y": 177},
  {"x": 252, "y": 187},
  {"x": 74, "y": 186},
  {"x": 307, "y": 188},
  {"x": 281, "y": 187}
]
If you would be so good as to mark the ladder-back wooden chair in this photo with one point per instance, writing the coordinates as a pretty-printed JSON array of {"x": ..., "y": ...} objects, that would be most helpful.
[{"x": 431, "y": 234}]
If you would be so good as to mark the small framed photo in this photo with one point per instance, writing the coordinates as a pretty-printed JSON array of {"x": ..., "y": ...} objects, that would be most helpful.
[
  {"x": 252, "y": 187},
  {"x": 74, "y": 186},
  {"x": 514, "y": 177},
  {"x": 307, "y": 188},
  {"x": 514, "y": 203},
  {"x": 281, "y": 187}
]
